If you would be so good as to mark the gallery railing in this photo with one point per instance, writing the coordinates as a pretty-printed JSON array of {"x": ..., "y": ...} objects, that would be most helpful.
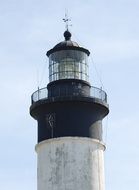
[{"x": 95, "y": 92}]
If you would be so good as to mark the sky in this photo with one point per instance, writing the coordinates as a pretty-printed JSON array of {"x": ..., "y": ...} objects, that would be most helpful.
[{"x": 110, "y": 30}]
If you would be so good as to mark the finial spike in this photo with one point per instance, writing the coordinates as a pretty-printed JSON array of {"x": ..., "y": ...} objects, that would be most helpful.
[{"x": 67, "y": 20}]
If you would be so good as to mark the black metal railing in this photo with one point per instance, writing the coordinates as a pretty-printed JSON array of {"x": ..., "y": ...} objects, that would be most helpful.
[{"x": 42, "y": 94}]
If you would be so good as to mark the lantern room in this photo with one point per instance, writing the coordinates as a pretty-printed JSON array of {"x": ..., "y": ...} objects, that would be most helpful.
[{"x": 67, "y": 60}]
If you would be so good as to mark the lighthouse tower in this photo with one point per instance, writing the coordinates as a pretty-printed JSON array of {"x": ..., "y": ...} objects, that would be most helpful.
[{"x": 69, "y": 113}]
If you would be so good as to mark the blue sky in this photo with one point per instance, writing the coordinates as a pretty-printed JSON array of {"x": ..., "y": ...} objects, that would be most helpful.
[{"x": 110, "y": 30}]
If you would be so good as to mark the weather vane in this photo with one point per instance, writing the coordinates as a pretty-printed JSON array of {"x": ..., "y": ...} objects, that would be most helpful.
[{"x": 67, "y": 20}]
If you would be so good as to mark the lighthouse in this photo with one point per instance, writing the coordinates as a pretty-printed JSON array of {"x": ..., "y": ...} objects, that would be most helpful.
[{"x": 69, "y": 113}]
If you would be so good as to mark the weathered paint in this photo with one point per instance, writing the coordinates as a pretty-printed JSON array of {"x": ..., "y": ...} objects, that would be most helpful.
[{"x": 70, "y": 163}]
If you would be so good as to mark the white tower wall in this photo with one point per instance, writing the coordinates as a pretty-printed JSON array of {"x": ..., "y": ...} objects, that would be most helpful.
[{"x": 70, "y": 163}]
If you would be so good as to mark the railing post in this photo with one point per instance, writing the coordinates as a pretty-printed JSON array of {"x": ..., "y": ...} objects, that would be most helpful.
[
  {"x": 101, "y": 93},
  {"x": 105, "y": 97},
  {"x": 32, "y": 101},
  {"x": 38, "y": 93}
]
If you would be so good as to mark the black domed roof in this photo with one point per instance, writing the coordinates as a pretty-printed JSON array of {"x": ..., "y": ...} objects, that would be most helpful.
[{"x": 67, "y": 44}]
